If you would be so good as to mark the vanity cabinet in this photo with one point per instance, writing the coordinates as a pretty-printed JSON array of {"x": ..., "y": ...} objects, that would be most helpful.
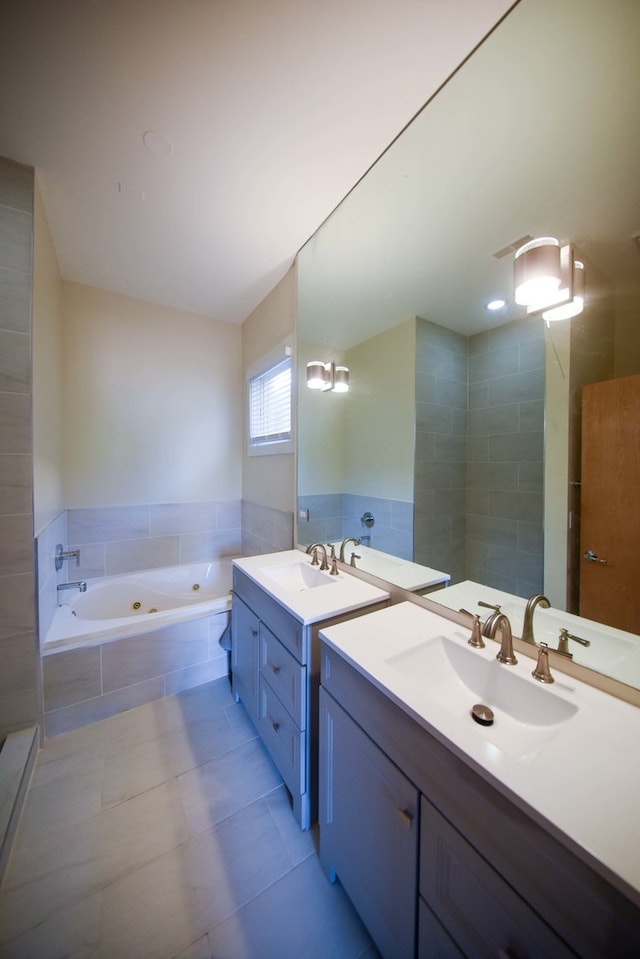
[
  {"x": 369, "y": 815},
  {"x": 437, "y": 861},
  {"x": 275, "y": 663}
]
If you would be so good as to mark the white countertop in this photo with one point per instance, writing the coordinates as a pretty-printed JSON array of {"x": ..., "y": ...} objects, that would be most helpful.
[
  {"x": 401, "y": 572},
  {"x": 584, "y": 779},
  {"x": 340, "y": 594}
]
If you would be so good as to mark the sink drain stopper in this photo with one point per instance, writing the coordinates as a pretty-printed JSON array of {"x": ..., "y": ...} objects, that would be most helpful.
[{"x": 482, "y": 714}]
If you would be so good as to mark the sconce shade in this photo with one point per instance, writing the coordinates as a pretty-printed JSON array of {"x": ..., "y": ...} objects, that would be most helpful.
[
  {"x": 576, "y": 304},
  {"x": 316, "y": 375},
  {"x": 537, "y": 271},
  {"x": 327, "y": 377},
  {"x": 341, "y": 379}
]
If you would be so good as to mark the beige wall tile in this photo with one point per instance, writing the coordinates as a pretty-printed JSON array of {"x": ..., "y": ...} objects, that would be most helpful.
[
  {"x": 15, "y": 483},
  {"x": 15, "y": 362},
  {"x": 71, "y": 677},
  {"x": 154, "y": 654},
  {"x": 15, "y": 300}
]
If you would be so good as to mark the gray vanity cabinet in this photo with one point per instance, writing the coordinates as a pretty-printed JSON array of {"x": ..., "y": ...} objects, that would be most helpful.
[
  {"x": 437, "y": 861},
  {"x": 245, "y": 630},
  {"x": 369, "y": 815},
  {"x": 275, "y": 662}
]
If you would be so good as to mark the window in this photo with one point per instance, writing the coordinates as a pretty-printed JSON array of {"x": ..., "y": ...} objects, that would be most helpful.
[{"x": 269, "y": 405}]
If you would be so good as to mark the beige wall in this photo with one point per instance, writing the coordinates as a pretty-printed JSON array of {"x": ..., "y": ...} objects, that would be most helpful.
[
  {"x": 381, "y": 414},
  {"x": 268, "y": 480},
  {"x": 47, "y": 373},
  {"x": 152, "y": 400}
]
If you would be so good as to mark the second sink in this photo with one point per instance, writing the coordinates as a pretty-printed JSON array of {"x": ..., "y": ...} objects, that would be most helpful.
[{"x": 527, "y": 716}]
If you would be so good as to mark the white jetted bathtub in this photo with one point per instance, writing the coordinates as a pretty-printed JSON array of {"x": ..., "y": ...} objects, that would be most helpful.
[
  {"x": 114, "y": 607},
  {"x": 130, "y": 639}
]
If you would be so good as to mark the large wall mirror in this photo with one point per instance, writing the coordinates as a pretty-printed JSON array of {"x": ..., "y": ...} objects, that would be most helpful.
[{"x": 461, "y": 432}]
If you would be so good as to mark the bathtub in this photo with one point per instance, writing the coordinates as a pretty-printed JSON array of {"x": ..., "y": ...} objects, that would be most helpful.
[
  {"x": 132, "y": 639},
  {"x": 115, "y": 607}
]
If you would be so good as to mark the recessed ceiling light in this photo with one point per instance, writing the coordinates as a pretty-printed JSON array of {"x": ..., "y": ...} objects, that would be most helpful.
[{"x": 497, "y": 304}]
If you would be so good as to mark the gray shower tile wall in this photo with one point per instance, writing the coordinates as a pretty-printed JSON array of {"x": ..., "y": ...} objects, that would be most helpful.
[
  {"x": 122, "y": 539},
  {"x": 440, "y": 476},
  {"x": 264, "y": 529},
  {"x": 86, "y": 684},
  {"x": 392, "y": 531},
  {"x": 18, "y": 644},
  {"x": 505, "y": 457}
]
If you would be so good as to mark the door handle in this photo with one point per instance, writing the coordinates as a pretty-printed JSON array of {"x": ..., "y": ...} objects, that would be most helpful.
[{"x": 592, "y": 557}]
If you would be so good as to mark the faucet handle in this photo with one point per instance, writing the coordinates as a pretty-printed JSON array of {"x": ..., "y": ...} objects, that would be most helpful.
[
  {"x": 542, "y": 672},
  {"x": 334, "y": 565},
  {"x": 476, "y": 639}
]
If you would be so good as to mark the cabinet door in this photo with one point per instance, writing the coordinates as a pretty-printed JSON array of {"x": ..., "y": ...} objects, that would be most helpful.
[
  {"x": 368, "y": 830},
  {"x": 481, "y": 913},
  {"x": 245, "y": 633}
]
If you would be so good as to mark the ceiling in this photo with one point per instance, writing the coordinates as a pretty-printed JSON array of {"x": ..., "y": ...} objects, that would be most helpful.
[{"x": 186, "y": 149}]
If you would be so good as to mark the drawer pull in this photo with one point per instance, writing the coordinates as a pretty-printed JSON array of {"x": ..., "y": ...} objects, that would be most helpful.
[
  {"x": 254, "y": 632},
  {"x": 276, "y": 726},
  {"x": 274, "y": 669},
  {"x": 406, "y": 817}
]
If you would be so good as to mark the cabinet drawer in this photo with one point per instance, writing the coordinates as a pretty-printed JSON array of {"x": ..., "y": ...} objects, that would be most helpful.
[
  {"x": 481, "y": 913},
  {"x": 282, "y": 738},
  {"x": 433, "y": 941},
  {"x": 284, "y": 674},
  {"x": 280, "y": 622}
]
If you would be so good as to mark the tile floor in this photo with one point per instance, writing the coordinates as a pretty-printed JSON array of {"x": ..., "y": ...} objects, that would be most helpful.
[{"x": 165, "y": 833}]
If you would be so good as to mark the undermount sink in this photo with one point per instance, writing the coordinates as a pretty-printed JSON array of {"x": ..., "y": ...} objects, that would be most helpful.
[
  {"x": 456, "y": 678},
  {"x": 298, "y": 576}
]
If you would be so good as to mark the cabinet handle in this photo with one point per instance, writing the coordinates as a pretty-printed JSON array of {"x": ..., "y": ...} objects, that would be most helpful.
[
  {"x": 406, "y": 817},
  {"x": 274, "y": 669},
  {"x": 254, "y": 632},
  {"x": 276, "y": 726}
]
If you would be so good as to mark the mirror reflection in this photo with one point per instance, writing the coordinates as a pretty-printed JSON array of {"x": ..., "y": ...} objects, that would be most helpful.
[{"x": 476, "y": 439}]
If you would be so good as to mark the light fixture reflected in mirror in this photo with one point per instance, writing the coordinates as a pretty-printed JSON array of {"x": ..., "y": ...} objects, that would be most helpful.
[
  {"x": 548, "y": 280},
  {"x": 327, "y": 376},
  {"x": 536, "y": 271},
  {"x": 575, "y": 304}
]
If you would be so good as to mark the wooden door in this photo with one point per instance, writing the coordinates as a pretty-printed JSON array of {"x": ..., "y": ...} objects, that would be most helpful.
[{"x": 610, "y": 522}]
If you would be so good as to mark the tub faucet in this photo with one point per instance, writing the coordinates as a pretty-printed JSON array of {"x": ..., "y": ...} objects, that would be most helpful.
[
  {"x": 62, "y": 554},
  {"x": 82, "y": 586},
  {"x": 505, "y": 655},
  {"x": 313, "y": 549},
  {"x": 527, "y": 625},
  {"x": 349, "y": 539}
]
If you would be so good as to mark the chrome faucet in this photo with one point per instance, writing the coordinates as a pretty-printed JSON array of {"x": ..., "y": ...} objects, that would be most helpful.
[
  {"x": 82, "y": 586},
  {"x": 349, "y": 539},
  {"x": 506, "y": 654},
  {"x": 62, "y": 554},
  {"x": 313, "y": 549},
  {"x": 527, "y": 625}
]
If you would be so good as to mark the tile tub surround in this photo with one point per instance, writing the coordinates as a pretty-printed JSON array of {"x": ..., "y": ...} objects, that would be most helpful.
[
  {"x": 332, "y": 516},
  {"x": 88, "y": 683},
  {"x": 165, "y": 833},
  {"x": 122, "y": 539}
]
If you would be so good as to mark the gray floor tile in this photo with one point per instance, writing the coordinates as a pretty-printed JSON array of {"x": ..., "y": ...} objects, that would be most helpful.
[
  {"x": 302, "y": 916},
  {"x": 221, "y": 787},
  {"x": 166, "y": 833}
]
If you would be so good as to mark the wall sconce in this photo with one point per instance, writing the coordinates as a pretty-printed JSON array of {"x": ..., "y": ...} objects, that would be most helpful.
[
  {"x": 327, "y": 376},
  {"x": 548, "y": 280}
]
